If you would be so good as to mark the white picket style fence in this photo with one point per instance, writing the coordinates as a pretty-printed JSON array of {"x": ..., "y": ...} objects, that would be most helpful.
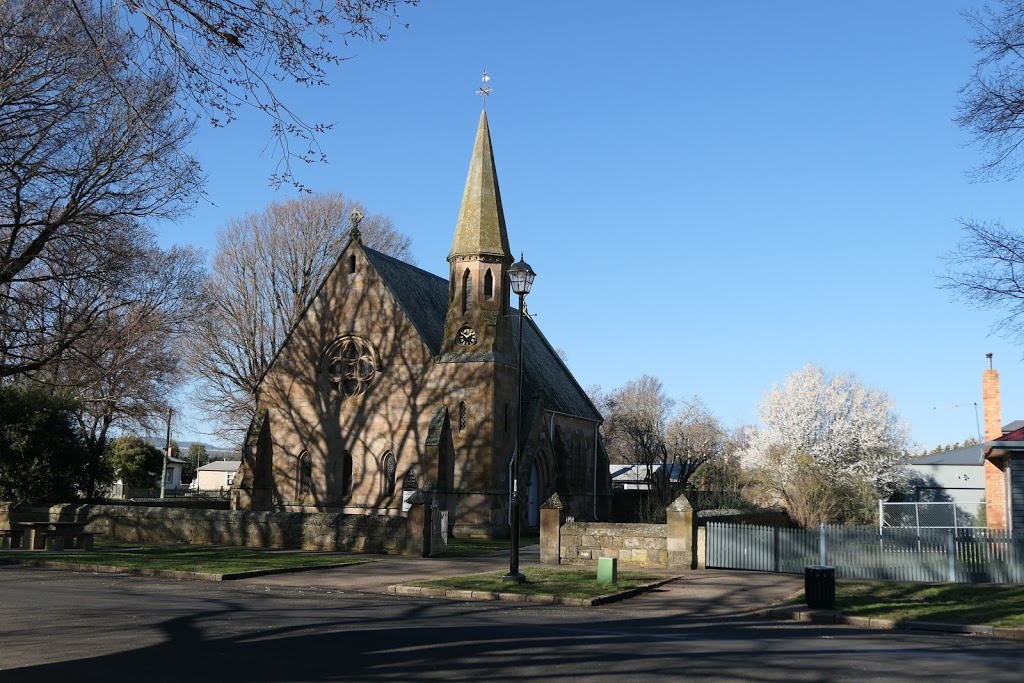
[{"x": 865, "y": 552}]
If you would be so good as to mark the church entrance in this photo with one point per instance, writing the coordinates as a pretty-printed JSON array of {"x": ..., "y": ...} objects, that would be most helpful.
[{"x": 533, "y": 499}]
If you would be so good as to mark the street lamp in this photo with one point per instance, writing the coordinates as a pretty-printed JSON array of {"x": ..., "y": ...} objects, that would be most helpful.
[{"x": 521, "y": 277}]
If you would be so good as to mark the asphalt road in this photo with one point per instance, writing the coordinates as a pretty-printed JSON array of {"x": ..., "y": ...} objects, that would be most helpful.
[{"x": 66, "y": 626}]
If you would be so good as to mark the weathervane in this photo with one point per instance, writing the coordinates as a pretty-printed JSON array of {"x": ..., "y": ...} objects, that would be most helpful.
[{"x": 484, "y": 91}]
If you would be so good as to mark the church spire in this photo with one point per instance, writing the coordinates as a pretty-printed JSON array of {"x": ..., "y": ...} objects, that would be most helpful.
[
  {"x": 477, "y": 324},
  {"x": 480, "y": 230}
]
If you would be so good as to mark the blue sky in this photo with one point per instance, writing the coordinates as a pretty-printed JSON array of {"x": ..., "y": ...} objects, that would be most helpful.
[{"x": 712, "y": 193}]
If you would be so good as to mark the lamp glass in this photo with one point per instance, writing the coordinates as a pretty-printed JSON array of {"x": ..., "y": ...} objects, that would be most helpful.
[{"x": 521, "y": 276}]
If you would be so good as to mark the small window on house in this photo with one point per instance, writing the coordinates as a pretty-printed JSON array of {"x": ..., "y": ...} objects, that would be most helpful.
[
  {"x": 488, "y": 285},
  {"x": 350, "y": 267},
  {"x": 467, "y": 291},
  {"x": 462, "y": 416},
  {"x": 231, "y": 478},
  {"x": 305, "y": 475},
  {"x": 346, "y": 473},
  {"x": 388, "y": 468}
]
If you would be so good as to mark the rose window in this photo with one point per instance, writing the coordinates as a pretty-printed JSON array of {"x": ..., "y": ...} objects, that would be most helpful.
[{"x": 350, "y": 365}]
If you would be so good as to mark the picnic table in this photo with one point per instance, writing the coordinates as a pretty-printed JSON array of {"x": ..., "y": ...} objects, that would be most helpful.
[{"x": 51, "y": 536}]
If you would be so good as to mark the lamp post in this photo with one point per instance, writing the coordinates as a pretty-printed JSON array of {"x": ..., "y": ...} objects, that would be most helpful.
[{"x": 521, "y": 277}]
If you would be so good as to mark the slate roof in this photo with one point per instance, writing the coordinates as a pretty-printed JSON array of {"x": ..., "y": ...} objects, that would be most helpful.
[
  {"x": 968, "y": 455},
  {"x": 423, "y": 297}
]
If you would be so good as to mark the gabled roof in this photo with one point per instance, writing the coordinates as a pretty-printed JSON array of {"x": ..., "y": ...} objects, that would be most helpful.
[
  {"x": 221, "y": 466},
  {"x": 968, "y": 455},
  {"x": 423, "y": 297}
]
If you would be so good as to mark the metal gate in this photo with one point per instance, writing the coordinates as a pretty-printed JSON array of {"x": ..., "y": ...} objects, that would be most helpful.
[{"x": 438, "y": 530}]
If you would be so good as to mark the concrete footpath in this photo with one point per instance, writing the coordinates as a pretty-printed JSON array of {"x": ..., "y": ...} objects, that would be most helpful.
[
  {"x": 718, "y": 592},
  {"x": 705, "y": 593}
]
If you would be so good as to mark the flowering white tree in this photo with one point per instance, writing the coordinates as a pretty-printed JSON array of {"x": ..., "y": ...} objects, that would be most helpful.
[{"x": 832, "y": 425}]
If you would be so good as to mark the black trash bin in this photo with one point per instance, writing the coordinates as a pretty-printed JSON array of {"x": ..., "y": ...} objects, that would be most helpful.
[{"x": 820, "y": 586}]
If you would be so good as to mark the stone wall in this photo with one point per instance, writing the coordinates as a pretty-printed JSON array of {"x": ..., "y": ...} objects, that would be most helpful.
[
  {"x": 678, "y": 544},
  {"x": 640, "y": 546},
  {"x": 287, "y": 530}
]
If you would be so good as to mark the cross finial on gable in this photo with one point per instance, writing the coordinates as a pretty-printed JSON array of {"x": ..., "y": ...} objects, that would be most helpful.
[{"x": 356, "y": 217}]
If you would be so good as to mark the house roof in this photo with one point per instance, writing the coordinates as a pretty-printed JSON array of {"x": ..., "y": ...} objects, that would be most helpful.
[
  {"x": 968, "y": 455},
  {"x": 423, "y": 297},
  {"x": 638, "y": 473},
  {"x": 221, "y": 466},
  {"x": 1009, "y": 441},
  {"x": 1013, "y": 426}
]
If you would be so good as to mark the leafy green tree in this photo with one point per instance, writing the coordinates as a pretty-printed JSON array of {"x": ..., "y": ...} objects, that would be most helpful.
[
  {"x": 197, "y": 457},
  {"x": 134, "y": 461},
  {"x": 42, "y": 456}
]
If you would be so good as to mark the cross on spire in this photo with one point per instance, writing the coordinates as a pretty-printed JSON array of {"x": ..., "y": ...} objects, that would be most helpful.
[{"x": 484, "y": 91}]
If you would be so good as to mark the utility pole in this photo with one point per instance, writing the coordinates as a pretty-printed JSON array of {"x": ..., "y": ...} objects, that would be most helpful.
[{"x": 167, "y": 455}]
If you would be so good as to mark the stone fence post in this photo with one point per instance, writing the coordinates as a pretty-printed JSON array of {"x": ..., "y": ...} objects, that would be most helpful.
[
  {"x": 682, "y": 535},
  {"x": 419, "y": 518},
  {"x": 552, "y": 516}
]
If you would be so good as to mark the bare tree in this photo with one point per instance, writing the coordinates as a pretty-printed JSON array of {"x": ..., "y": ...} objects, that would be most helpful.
[
  {"x": 223, "y": 55},
  {"x": 992, "y": 101},
  {"x": 88, "y": 150},
  {"x": 987, "y": 271},
  {"x": 123, "y": 370},
  {"x": 267, "y": 267},
  {"x": 643, "y": 428}
]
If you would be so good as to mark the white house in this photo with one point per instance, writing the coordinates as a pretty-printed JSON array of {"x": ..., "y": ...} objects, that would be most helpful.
[
  {"x": 172, "y": 481},
  {"x": 637, "y": 477},
  {"x": 217, "y": 475}
]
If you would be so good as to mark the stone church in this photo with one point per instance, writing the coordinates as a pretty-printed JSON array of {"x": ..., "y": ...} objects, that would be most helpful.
[{"x": 395, "y": 379}]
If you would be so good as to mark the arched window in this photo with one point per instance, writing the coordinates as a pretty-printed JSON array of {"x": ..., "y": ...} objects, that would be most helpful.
[
  {"x": 346, "y": 473},
  {"x": 467, "y": 291},
  {"x": 488, "y": 285},
  {"x": 462, "y": 416},
  {"x": 388, "y": 466},
  {"x": 351, "y": 265},
  {"x": 304, "y": 475}
]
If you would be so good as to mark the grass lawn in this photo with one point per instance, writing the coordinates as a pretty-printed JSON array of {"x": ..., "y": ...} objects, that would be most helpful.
[
  {"x": 187, "y": 558},
  {"x": 565, "y": 583},
  {"x": 470, "y": 547},
  {"x": 961, "y": 603}
]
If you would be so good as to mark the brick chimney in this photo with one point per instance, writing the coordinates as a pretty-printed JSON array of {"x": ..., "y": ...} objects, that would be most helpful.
[
  {"x": 995, "y": 474},
  {"x": 990, "y": 401}
]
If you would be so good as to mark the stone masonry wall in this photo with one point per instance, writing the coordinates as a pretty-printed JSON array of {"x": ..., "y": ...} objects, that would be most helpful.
[
  {"x": 288, "y": 530},
  {"x": 640, "y": 546}
]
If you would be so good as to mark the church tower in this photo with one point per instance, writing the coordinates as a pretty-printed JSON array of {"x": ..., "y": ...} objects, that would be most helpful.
[{"x": 477, "y": 326}]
